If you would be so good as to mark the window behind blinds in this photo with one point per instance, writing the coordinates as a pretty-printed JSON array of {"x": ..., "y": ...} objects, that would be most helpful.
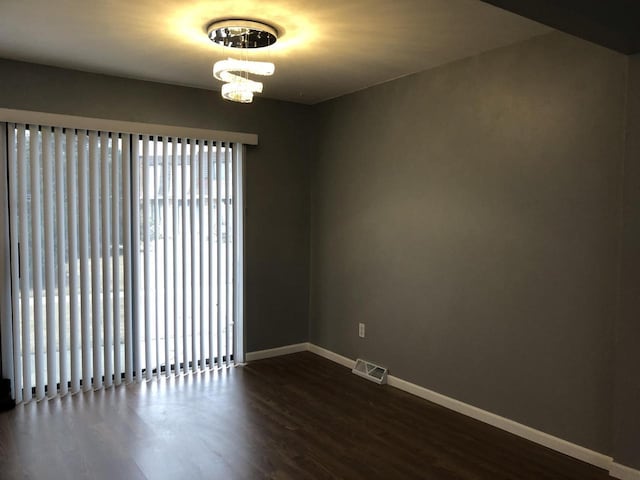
[{"x": 125, "y": 257}]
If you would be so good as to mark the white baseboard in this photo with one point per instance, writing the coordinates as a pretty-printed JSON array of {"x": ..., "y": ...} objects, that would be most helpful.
[
  {"x": 334, "y": 357},
  {"x": 623, "y": 473},
  {"x": 563, "y": 446},
  {"x": 276, "y": 352},
  {"x": 541, "y": 438}
]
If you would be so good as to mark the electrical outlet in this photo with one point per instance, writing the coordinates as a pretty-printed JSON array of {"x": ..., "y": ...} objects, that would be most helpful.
[{"x": 361, "y": 330}]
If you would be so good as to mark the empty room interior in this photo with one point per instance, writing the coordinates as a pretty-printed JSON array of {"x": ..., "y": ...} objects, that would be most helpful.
[{"x": 337, "y": 239}]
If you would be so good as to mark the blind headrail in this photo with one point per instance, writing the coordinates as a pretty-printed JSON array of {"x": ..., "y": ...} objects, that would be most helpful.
[{"x": 121, "y": 126}]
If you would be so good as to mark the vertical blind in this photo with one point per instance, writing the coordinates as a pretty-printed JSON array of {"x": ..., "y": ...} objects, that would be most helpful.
[{"x": 126, "y": 257}]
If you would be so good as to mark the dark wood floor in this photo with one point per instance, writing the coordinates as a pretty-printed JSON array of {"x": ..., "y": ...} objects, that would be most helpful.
[{"x": 293, "y": 417}]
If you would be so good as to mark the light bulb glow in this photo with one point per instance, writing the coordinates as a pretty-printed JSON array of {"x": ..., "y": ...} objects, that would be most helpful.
[
  {"x": 238, "y": 88},
  {"x": 236, "y": 92}
]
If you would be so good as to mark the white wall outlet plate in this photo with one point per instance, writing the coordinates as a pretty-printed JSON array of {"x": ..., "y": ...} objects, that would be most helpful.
[{"x": 361, "y": 330}]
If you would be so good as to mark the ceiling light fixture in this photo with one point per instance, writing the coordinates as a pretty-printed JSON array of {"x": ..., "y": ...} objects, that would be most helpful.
[{"x": 241, "y": 35}]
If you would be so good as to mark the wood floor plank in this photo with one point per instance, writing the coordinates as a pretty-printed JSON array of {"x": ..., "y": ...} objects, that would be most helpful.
[{"x": 296, "y": 417}]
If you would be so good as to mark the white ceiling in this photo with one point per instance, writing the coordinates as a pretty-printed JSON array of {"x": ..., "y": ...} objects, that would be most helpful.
[{"x": 327, "y": 48}]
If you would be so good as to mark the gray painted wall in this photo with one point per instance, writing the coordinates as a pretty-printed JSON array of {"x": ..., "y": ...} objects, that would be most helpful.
[
  {"x": 277, "y": 174},
  {"x": 469, "y": 215},
  {"x": 476, "y": 235},
  {"x": 627, "y": 349}
]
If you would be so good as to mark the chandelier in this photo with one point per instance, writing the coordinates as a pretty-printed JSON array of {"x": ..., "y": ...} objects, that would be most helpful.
[{"x": 241, "y": 35}]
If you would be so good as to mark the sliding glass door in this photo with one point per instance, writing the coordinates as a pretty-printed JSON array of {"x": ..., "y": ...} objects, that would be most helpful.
[{"x": 125, "y": 254}]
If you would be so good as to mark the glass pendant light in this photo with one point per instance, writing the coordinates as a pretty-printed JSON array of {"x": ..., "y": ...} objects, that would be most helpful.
[{"x": 241, "y": 35}]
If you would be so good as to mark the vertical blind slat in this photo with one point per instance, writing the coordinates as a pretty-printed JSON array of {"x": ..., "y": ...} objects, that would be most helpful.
[
  {"x": 25, "y": 293},
  {"x": 49, "y": 258},
  {"x": 185, "y": 262},
  {"x": 175, "y": 279},
  {"x": 107, "y": 326},
  {"x": 135, "y": 258},
  {"x": 128, "y": 260},
  {"x": 85, "y": 286},
  {"x": 72, "y": 223},
  {"x": 201, "y": 266},
  {"x": 154, "y": 219},
  {"x": 115, "y": 256},
  {"x": 15, "y": 273},
  {"x": 219, "y": 249},
  {"x": 94, "y": 221},
  {"x": 238, "y": 207},
  {"x": 232, "y": 267},
  {"x": 194, "y": 252},
  {"x": 146, "y": 259},
  {"x": 211, "y": 213},
  {"x": 165, "y": 250},
  {"x": 36, "y": 256},
  {"x": 6, "y": 302},
  {"x": 228, "y": 224},
  {"x": 61, "y": 257}
]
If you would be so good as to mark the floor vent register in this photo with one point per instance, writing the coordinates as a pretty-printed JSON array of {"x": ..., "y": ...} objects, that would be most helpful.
[{"x": 370, "y": 371}]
